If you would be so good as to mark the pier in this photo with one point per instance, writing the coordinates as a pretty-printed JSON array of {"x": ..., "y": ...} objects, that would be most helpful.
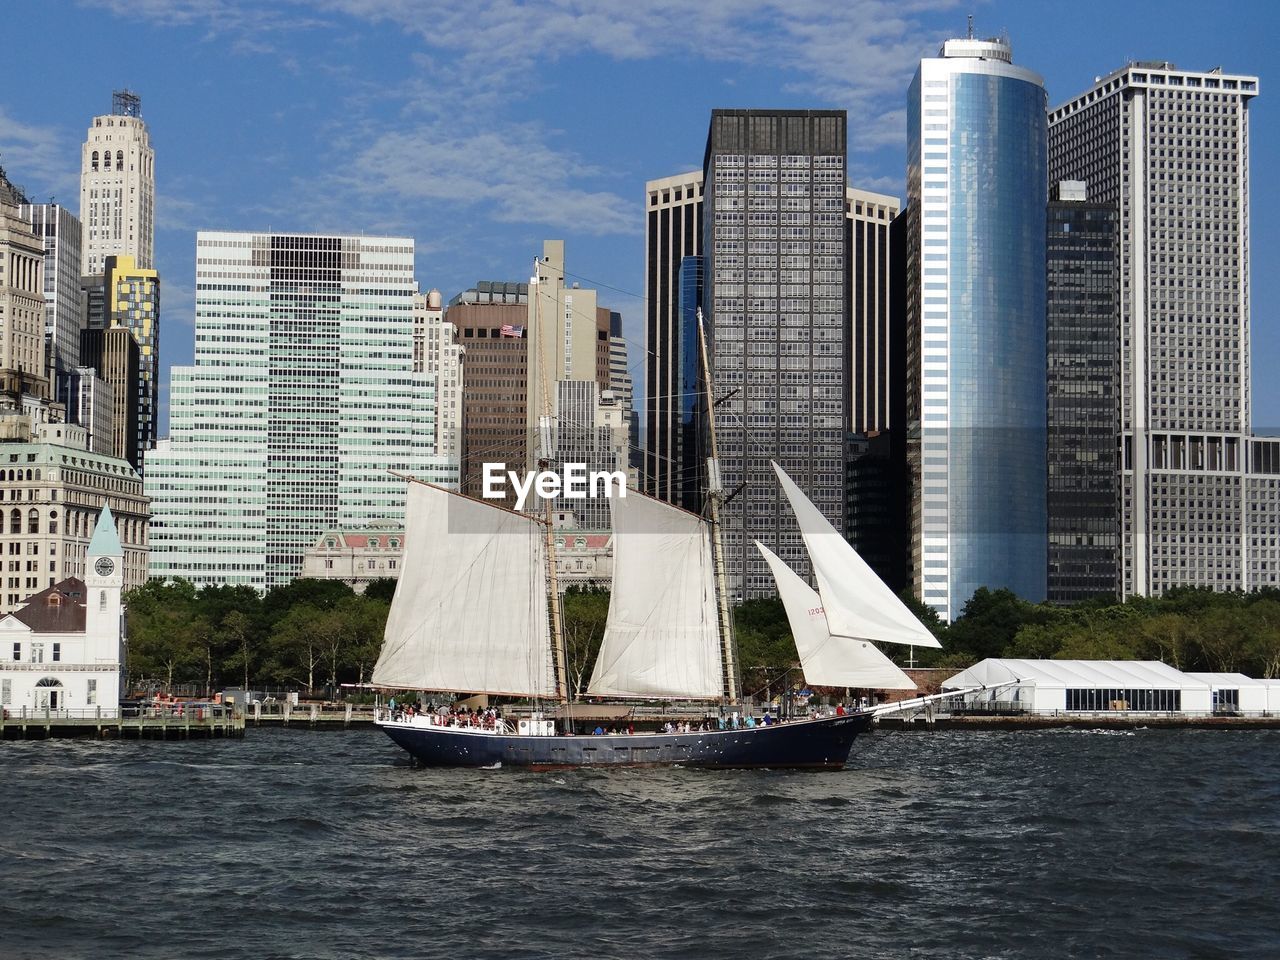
[{"x": 170, "y": 722}]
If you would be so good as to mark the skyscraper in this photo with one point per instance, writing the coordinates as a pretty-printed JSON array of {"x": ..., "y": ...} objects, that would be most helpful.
[
  {"x": 23, "y": 368},
  {"x": 1082, "y": 323},
  {"x": 1170, "y": 149},
  {"x": 867, "y": 219},
  {"x": 118, "y": 186},
  {"x": 302, "y": 402},
  {"x": 64, "y": 304},
  {"x": 489, "y": 322},
  {"x": 439, "y": 357},
  {"x": 975, "y": 343},
  {"x": 673, "y": 231},
  {"x": 774, "y": 245},
  {"x": 132, "y": 303}
]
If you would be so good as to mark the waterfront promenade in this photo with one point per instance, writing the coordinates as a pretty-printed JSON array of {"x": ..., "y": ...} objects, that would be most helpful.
[{"x": 169, "y": 722}]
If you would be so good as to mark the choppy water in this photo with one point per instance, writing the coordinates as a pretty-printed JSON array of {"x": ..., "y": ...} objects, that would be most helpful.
[{"x": 957, "y": 844}]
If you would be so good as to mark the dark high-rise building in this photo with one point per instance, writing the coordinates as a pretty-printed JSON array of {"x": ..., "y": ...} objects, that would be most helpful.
[
  {"x": 673, "y": 231},
  {"x": 114, "y": 353},
  {"x": 687, "y": 448},
  {"x": 1082, "y": 344},
  {"x": 775, "y": 300},
  {"x": 867, "y": 219},
  {"x": 490, "y": 320}
]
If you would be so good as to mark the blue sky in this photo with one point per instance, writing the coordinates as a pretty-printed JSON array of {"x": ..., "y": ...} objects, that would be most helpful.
[{"x": 481, "y": 127}]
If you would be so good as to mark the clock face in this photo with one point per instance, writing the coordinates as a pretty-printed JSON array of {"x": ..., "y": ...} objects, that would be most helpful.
[{"x": 105, "y": 567}]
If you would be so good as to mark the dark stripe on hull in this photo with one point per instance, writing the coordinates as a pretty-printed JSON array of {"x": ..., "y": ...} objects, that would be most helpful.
[{"x": 812, "y": 744}]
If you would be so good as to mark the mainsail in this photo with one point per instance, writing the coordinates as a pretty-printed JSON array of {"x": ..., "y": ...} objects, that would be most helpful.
[
  {"x": 857, "y": 602},
  {"x": 470, "y": 610},
  {"x": 662, "y": 638},
  {"x": 827, "y": 660}
]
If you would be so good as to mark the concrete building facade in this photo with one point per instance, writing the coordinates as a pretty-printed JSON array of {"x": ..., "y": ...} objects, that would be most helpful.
[
  {"x": 23, "y": 365},
  {"x": 867, "y": 219},
  {"x": 118, "y": 187},
  {"x": 64, "y": 302},
  {"x": 1170, "y": 149}
]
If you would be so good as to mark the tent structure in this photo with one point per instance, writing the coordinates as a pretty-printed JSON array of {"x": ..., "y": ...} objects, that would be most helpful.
[
  {"x": 1090, "y": 686},
  {"x": 1234, "y": 692}
]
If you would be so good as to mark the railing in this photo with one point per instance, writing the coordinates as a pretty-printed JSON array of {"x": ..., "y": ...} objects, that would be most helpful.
[{"x": 186, "y": 712}]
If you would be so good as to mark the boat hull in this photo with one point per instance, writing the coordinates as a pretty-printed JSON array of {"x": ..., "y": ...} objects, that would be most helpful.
[{"x": 823, "y": 743}]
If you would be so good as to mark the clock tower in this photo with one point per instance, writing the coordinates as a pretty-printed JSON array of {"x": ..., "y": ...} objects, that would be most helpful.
[{"x": 104, "y": 586}]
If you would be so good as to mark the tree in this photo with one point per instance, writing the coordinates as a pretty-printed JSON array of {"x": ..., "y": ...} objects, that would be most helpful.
[
  {"x": 297, "y": 645},
  {"x": 160, "y": 646},
  {"x": 382, "y": 589},
  {"x": 583, "y": 616},
  {"x": 1173, "y": 635},
  {"x": 235, "y": 636}
]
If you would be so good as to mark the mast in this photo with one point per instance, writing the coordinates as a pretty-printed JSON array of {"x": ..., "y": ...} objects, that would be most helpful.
[
  {"x": 558, "y": 655},
  {"x": 715, "y": 492}
]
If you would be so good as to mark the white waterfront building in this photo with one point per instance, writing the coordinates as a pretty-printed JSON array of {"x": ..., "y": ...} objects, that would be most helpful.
[
  {"x": 61, "y": 652},
  {"x": 1111, "y": 687},
  {"x": 302, "y": 401}
]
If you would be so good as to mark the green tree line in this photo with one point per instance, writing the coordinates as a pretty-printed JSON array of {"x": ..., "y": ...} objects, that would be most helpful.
[{"x": 313, "y": 635}]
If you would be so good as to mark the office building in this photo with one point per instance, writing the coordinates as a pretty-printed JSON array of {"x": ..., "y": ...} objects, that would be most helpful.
[
  {"x": 568, "y": 340},
  {"x": 132, "y": 303},
  {"x": 620, "y": 382},
  {"x": 439, "y": 358},
  {"x": 301, "y": 406},
  {"x": 673, "y": 232},
  {"x": 867, "y": 219},
  {"x": 489, "y": 325},
  {"x": 775, "y": 300},
  {"x": 23, "y": 367},
  {"x": 116, "y": 360},
  {"x": 1169, "y": 149},
  {"x": 91, "y": 404},
  {"x": 1082, "y": 325},
  {"x": 64, "y": 304},
  {"x": 118, "y": 187},
  {"x": 975, "y": 346}
]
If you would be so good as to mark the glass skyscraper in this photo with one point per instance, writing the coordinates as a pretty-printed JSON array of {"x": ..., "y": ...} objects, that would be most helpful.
[
  {"x": 302, "y": 401},
  {"x": 975, "y": 343}
]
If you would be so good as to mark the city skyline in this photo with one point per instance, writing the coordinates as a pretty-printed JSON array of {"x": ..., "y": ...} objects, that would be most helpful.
[{"x": 367, "y": 116}]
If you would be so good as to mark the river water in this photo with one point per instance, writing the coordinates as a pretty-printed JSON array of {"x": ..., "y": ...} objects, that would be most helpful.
[{"x": 291, "y": 843}]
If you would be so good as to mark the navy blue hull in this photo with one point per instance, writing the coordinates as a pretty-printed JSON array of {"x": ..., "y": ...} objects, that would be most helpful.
[{"x": 818, "y": 744}]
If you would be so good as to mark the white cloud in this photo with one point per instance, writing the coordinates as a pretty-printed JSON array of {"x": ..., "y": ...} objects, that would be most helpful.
[{"x": 37, "y": 160}]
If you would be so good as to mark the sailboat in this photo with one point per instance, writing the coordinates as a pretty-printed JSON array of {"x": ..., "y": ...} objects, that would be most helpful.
[{"x": 472, "y": 614}]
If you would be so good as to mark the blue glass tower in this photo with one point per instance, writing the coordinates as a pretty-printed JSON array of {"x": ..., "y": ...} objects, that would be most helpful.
[
  {"x": 686, "y": 487},
  {"x": 975, "y": 343}
]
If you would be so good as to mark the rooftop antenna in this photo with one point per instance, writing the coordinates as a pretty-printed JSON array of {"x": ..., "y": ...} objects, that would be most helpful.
[{"x": 971, "y": 26}]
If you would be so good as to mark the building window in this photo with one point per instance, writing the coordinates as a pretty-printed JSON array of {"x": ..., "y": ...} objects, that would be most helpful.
[
  {"x": 15, "y": 520},
  {"x": 57, "y": 653},
  {"x": 91, "y": 693},
  {"x": 102, "y": 601},
  {"x": 33, "y": 520},
  {"x": 6, "y": 692},
  {"x": 53, "y": 521},
  {"x": 37, "y": 653},
  {"x": 17, "y": 651}
]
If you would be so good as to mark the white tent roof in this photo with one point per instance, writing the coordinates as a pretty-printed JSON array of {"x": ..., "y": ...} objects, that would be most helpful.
[
  {"x": 1077, "y": 674},
  {"x": 1218, "y": 680}
]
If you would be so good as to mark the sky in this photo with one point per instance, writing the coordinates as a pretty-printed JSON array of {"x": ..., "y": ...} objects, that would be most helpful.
[{"x": 482, "y": 127}]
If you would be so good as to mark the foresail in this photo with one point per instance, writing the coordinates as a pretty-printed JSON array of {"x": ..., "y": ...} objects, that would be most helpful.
[
  {"x": 662, "y": 638},
  {"x": 470, "y": 609},
  {"x": 829, "y": 661},
  {"x": 857, "y": 602}
]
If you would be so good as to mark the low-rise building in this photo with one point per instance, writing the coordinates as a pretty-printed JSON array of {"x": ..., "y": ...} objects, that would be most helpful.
[{"x": 61, "y": 651}]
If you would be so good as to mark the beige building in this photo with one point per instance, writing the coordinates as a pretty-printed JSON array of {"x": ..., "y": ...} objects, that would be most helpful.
[
  {"x": 568, "y": 340},
  {"x": 438, "y": 355},
  {"x": 51, "y": 491},
  {"x": 118, "y": 186},
  {"x": 22, "y": 307}
]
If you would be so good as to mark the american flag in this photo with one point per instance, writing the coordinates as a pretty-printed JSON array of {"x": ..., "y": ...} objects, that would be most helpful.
[{"x": 509, "y": 331}]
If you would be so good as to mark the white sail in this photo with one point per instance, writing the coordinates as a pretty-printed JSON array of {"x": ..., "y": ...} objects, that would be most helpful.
[
  {"x": 662, "y": 638},
  {"x": 829, "y": 661},
  {"x": 470, "y": 610},
  {"x": 857, "y": 602}
]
